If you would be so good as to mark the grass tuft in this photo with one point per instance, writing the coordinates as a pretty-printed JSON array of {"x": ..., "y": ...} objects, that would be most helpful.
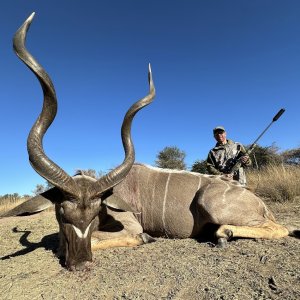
[{"x": 276, "y": 183}]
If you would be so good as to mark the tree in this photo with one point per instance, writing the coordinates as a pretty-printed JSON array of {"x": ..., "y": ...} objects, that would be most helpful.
[
  {"x": 171, "y": 158},
  {"x": 291, "y": 157},
  {"x": 16, "y": 195},
  {"x": 39, "y": 188},
  {"x": 199, "y": 166},
  {"x": 49, "y": 185},
  {"x": 263, "y": 156},
  {"x": 11, "y": 197}
]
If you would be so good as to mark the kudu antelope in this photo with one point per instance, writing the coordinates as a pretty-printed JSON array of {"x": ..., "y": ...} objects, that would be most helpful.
[{"x": 176, "y": 204}]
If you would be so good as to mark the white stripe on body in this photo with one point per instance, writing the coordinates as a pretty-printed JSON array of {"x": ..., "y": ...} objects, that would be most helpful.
[
  {"x": 165, "y": 199},
  {"x": 199, "y": 184},
  {"x": 153, "y": 201},
  {"x": 226, "y": 190}
]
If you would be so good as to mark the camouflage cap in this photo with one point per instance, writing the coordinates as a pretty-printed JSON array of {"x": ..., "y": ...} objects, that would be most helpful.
[{"x": 218, "y": 128}]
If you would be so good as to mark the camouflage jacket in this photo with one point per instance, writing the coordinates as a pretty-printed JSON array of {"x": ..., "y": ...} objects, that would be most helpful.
[{"x": 222, "y": 157}]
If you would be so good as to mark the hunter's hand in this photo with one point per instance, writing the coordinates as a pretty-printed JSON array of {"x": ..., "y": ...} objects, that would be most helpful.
[
  {"x": 230, "y": 176},
  {"x": 244, "y": 159}
]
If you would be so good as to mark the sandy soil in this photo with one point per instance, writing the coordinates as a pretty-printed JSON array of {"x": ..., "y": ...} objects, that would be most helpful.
[{"x": 166, "y": 269}]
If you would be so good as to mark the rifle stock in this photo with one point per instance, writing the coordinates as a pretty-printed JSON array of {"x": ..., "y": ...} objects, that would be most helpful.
[{"x": 239, "y": 163}]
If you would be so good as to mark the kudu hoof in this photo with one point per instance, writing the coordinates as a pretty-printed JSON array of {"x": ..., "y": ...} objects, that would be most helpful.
[
  {"x": 146, "y": 238},
  {"x": 222, "y": 243}
]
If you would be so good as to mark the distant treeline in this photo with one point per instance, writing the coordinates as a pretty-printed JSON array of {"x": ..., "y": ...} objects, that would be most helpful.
[
  {"x": 172, "y": 157},
  {"x": 14, "y": 196}
]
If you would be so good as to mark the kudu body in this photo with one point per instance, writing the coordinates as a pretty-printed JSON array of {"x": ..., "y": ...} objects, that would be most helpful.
[{"x": 168, "y": 203}]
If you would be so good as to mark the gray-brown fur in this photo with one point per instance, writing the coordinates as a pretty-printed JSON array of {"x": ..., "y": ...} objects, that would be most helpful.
[{"x": 179, "y": 203}]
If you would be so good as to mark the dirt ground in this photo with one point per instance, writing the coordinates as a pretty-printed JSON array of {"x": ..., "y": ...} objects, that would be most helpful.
[{"x": 166, "y": 269}]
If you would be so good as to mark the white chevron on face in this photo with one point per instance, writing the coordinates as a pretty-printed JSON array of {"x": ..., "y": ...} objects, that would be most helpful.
[{"x": 79, "y": 233}]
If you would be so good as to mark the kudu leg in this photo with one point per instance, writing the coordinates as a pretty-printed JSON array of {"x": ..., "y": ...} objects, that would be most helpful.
[
  {"x": 268, "y": 230},
  {"x": 102, "y": 241},
  {"x": 122, "y": 230}
]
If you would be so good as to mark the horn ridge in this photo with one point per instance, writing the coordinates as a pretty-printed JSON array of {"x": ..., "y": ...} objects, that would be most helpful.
[{"x": 37, "y": 157}]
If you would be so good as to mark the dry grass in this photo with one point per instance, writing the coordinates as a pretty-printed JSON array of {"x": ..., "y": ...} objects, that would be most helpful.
[
  {"x": 9, "y": 203},
  {"x": 276, "y": 183}
]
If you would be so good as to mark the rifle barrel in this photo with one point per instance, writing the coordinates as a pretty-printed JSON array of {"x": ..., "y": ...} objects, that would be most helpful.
[
  {"x": 276, "y": 117},
  {"x": 251, "y": 148}
]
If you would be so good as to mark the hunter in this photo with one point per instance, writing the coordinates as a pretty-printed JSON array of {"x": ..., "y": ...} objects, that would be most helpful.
[{"x": 224, "y": 155}]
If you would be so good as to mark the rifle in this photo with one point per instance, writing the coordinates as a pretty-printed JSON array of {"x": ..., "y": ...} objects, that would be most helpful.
[{"x": 237, "y": 164}]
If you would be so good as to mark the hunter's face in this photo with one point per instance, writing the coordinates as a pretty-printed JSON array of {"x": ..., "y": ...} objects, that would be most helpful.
[{"x": 220, "y": 136}]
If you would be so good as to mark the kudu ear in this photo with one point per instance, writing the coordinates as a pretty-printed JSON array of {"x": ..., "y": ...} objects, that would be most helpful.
[
  {"x": 115, "y": 202},
  {"x": 36, "y": 204}
]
